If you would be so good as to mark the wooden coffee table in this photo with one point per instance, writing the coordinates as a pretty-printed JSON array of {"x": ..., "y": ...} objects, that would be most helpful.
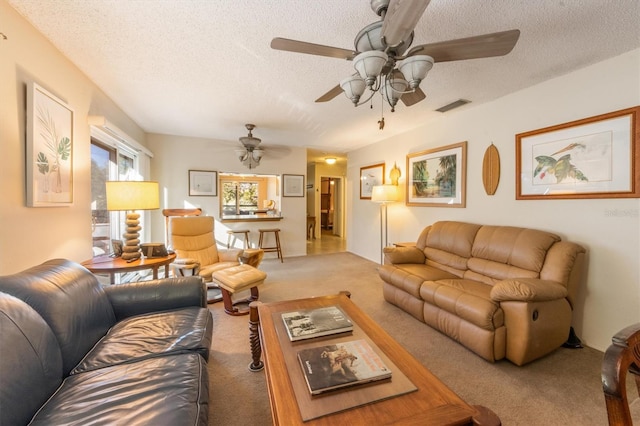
[{"x": 430, "y": 403}]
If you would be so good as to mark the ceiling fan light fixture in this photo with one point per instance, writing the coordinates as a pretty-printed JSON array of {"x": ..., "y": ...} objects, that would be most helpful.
[
  {"x": 353, "y": 86},
  {"x": 394, "y": 88},
  {"x": 251, "y": 155},
  {"x": 257, "y": 154},
  {"x": 369, "y": 65},
  {"x": 415, "y": 69},
  {"x": 370, "y": 38}
]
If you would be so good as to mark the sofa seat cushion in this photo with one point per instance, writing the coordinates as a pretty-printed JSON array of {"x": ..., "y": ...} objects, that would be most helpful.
[
  {"x": 469, "y": 300},
  {"x": 409, "y": 276},
  {"x": 169, "y": 390},
  {"x": 151, "y": 335}
]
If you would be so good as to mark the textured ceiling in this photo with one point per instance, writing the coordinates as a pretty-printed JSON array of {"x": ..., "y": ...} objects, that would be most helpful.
[{"x": 204, "y": 68}]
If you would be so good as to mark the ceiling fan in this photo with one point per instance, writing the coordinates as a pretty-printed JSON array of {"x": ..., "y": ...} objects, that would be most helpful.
[{"x": 383, "y": 60}]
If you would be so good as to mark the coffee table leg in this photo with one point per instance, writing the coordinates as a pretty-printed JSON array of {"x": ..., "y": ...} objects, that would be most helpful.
[{"x": 254, "y": 338}]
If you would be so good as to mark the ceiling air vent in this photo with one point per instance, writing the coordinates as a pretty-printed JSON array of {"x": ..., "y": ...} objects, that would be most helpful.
[{"x": 453, "y": 105}]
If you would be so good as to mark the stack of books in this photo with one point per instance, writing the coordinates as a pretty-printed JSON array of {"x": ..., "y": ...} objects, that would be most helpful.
[{"x": 330, "y": 366}]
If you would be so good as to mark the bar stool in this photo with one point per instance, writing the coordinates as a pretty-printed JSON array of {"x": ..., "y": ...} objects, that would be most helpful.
[
  {"x": 275, "y": 248},
  {"x": 232, "y": 233}
]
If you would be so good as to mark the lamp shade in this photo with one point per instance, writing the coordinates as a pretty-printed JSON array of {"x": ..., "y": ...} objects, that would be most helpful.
[
  {"x": 384, "y": 194},
  {"x": 369, "y": 65},
  {"x": 415, "y": 69},
  {"x": 353, "y": 86},
  {"x": 132, "y": 195}
]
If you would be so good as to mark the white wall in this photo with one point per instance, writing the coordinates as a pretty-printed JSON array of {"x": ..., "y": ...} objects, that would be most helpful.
[
  {"x": 610, "y": 297},
  {"x": 29, "y": 236},
  {"x": 174, "y": 156}
]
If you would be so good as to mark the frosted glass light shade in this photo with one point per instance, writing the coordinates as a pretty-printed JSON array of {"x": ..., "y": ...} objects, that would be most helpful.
[
  {"x": 369, "y": 65},
  {"x": 384, "y": 194},
  {"x": 415, "y": 69},
  {"x": 132, "y": 195},
  {"x": 393, "y": 89},
  {"x": 353, "y": 86}
]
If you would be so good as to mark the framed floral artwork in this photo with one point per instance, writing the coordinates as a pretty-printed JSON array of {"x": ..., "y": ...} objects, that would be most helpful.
[
  {"x": 437, "y": 177},
  {"x": 596, "y": 157},
  {"x": 370, "y": 176},
  {"x": 49, "y": 149}
]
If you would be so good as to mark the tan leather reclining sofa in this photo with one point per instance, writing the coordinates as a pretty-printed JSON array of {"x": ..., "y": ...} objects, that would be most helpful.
[{"x": 501, "y": 291}]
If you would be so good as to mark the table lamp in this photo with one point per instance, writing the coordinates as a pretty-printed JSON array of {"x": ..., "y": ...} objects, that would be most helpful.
[
  {"x": 131, "y": 196},
  {"x": 384, "y": 194}
]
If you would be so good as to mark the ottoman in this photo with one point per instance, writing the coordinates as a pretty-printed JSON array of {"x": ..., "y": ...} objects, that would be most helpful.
[{"x": 235, "y": 279}]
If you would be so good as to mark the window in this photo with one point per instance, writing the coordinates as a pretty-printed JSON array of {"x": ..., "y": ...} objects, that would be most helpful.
[
  {"x": 107, "y": 163},
  {"x": 242, "y": 194},
  {"x": 239, "y": 197}
]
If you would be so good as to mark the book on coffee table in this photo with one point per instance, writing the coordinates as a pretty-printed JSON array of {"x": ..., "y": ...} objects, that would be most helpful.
[
  {"x": 329, "y": 367},
  {"x": 306, "y": 324}
]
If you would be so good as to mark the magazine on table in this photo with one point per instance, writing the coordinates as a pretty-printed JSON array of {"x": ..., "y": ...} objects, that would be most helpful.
[
  {"x": 329, "y": 367},
  {"x": 306, "y": 324}
]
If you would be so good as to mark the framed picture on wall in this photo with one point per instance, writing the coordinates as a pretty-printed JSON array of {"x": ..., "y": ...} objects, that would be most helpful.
[
  {"x": 293, "y": 185},
  {"x": 49, "y": 149},
  {"x": 203, "y": 183},
  {"x": 596, "y": 157},
  {"x": 370, "y": 176},
  {"x": 437, "y": 177}
]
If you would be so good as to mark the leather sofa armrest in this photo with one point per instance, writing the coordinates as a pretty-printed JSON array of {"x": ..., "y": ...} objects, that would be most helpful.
[
  {"x": 158, "y": 295},
  {"x": 396, "y": 255},
  {"x": 528, "y": 290}
]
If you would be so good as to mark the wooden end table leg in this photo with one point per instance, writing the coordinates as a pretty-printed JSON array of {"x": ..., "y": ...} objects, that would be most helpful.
[
  {"x": 485, "y": 417},
  {"x": 254, "y": 337}
]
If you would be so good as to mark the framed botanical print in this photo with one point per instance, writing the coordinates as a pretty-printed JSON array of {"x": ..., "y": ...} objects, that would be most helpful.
[
  {"x": 49, "y": 149},
  {"x": 596, "y": 157}
]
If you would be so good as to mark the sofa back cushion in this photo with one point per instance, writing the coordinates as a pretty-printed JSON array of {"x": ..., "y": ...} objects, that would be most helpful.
[
  {"x": 447, "y": 245},
  {"x": 70, "y": 300},
  {"x": 30, "y": 361},
  {"x": 502, "y": 252}
]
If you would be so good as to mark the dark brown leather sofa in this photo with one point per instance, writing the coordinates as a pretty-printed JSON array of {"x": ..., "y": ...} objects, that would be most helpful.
[
  {"x": 75, "y": 353},
  {"x": 501, "y": 291}
]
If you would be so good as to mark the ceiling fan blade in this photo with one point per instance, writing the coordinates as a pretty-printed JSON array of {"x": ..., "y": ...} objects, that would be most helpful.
[
  {"x": 312, "y": 48},
  {"x": 330, "y": 94},
  {"x": 483, "y": 46},
  {"x": 413, "y": 98},
  {"x": 401, "y": 19}
]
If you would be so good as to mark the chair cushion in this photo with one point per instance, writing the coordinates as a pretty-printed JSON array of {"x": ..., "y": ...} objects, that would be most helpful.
[
  {"x": 150, "y": 335},
  {"x": 169, "y": 390},
  {"x": 239, "y": 278}
]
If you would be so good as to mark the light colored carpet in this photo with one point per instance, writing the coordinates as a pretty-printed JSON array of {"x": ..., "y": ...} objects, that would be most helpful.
[{"x": 563, "y": 388}]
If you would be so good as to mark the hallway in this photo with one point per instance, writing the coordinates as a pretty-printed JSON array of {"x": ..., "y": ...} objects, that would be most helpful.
[{"x": 329, "y": 243}]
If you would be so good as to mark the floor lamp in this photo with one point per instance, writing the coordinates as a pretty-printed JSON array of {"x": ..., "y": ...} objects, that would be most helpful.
[
  {"x": 384, "y": 194},
  {"x": 130, "y": 196}
]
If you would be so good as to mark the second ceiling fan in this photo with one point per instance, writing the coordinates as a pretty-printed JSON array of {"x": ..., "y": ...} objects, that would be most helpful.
[{"x": 383, "y": 60}]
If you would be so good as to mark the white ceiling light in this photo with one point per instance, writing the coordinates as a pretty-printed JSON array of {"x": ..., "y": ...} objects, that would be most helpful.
[
  {"x": 376, "y": 71},
  {"x": 251, "y": 155},
  {"x": 330, "y": 160}
]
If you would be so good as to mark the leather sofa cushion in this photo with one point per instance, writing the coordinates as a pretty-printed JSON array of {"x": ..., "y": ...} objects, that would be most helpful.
[
  {"x": 30, "y": 361},
  {"x": 469, "y": 300},
  {"x": 409, "y": 277},
  {"x": 452, "y": 237},
  {"x": 169, "y": 390},
  {"x": 518, "y": 247},
  {"x": 150, "y": 335},
  {"x": 70, "y": 300}
]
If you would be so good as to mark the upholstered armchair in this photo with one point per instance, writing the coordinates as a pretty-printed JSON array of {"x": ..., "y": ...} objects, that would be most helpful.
[{"x": 193, "y": 240}]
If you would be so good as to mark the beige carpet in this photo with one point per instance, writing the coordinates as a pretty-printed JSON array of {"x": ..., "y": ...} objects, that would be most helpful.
[{"x": 562, "y": 388}]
